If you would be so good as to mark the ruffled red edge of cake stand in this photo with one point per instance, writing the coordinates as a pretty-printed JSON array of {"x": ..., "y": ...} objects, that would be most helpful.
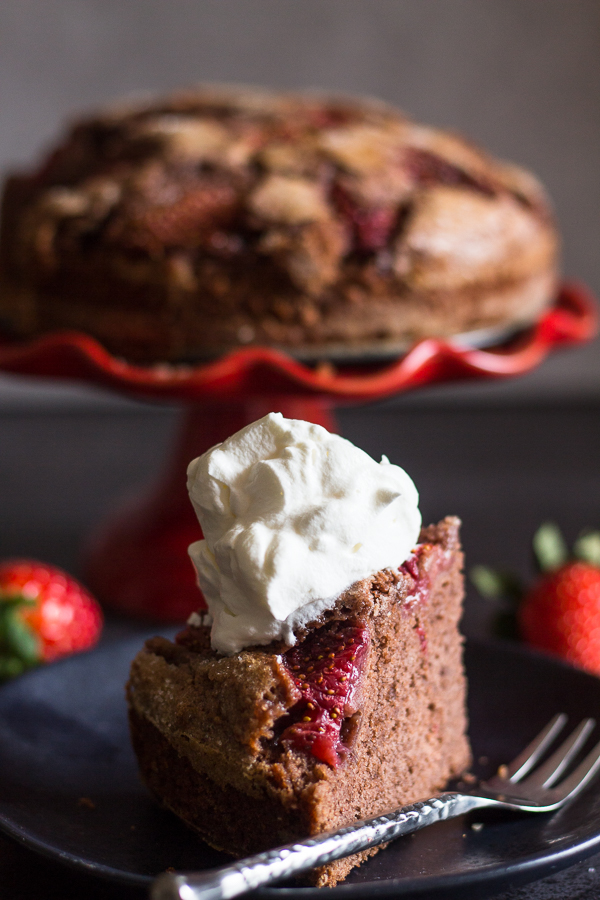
[{"x": 256, "y": 371}]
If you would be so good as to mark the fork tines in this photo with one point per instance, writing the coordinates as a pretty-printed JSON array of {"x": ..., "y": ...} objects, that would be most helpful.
[{"x": 543, "y": 782}]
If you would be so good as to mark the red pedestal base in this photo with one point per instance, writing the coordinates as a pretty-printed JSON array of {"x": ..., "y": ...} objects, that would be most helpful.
[{"x": 138, "y": 563}]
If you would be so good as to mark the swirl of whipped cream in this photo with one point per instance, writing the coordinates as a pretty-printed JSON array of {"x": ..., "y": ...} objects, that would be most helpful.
[{"x": 292, "y": 516}]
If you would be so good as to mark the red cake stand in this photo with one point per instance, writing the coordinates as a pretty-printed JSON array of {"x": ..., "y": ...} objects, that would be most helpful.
[{"x": 137, "y": 563}]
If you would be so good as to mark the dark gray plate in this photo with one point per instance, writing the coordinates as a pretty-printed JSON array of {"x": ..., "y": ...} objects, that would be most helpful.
[{"x": 64, "y": 742}]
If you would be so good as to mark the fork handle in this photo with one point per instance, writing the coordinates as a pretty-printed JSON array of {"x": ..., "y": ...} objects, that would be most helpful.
[{"x": 293, "y": 859}]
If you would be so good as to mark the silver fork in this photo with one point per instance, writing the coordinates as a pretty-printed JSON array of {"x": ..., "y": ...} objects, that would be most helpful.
[{"x": 512, "y": 788}]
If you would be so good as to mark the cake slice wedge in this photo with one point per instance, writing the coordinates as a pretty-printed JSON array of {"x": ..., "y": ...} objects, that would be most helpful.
[{"x": 365, "y": 712}]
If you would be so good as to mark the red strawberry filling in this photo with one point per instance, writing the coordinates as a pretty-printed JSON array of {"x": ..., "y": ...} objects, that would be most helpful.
[
  {"x": 411, "y": 565},
  {"x": 185, "y": 222},
  {"x": 327, "y": 668},
  {"x": 428, "y": 168},
  {"x": 370, "y": 227},
  {"x": 412, "y": 568}
]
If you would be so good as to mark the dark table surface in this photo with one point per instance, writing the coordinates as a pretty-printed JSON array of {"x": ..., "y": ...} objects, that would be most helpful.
[
  {"x": 503, "y": 468},
  {"x": 24, "y": 876}
]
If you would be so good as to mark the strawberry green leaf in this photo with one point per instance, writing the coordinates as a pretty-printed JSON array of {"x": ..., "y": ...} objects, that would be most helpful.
[
  {"x": 20, "y": 640},
  {"x": 494, "y": 584},
  {"x": 549, "y": 547},
  {"x": 19, "y": 645},
  {"x": 587, "y": 547}
]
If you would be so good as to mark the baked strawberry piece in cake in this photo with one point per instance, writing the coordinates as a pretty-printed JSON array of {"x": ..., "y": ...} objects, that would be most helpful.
[{"x": 271, "y": 719}]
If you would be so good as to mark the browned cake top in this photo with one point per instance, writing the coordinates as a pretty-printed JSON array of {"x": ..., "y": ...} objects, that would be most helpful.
[{"x": 307, "y": 181}]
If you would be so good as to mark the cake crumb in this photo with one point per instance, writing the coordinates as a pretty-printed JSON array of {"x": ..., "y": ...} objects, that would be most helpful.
[
  {"x": 87, "y": 802},
  {"x": 503, "y": 771},
  {"x": 476, "y": 826}
]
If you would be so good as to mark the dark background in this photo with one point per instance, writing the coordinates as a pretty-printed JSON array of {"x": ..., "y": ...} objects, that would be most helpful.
[{"x": 520, "y": 76}]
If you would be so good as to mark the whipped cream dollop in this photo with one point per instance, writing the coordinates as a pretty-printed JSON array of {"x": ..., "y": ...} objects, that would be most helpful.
[{"x": 292, "y": 516}]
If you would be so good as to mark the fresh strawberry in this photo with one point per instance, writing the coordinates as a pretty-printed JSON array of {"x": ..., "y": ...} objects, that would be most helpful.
[
  {"x": 44, "y": 614},
  {"x": 560, "y": 613},
  {"x": 326, "y": 667}
]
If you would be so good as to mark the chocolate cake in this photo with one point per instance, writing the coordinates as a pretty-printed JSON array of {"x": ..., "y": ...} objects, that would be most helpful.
[
  {"x": 177, "y": 229},
  {"x": 364, "y": 713}
]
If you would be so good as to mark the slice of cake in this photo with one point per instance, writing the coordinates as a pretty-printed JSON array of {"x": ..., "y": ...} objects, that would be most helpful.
[{"x": 260, "y": 729}]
